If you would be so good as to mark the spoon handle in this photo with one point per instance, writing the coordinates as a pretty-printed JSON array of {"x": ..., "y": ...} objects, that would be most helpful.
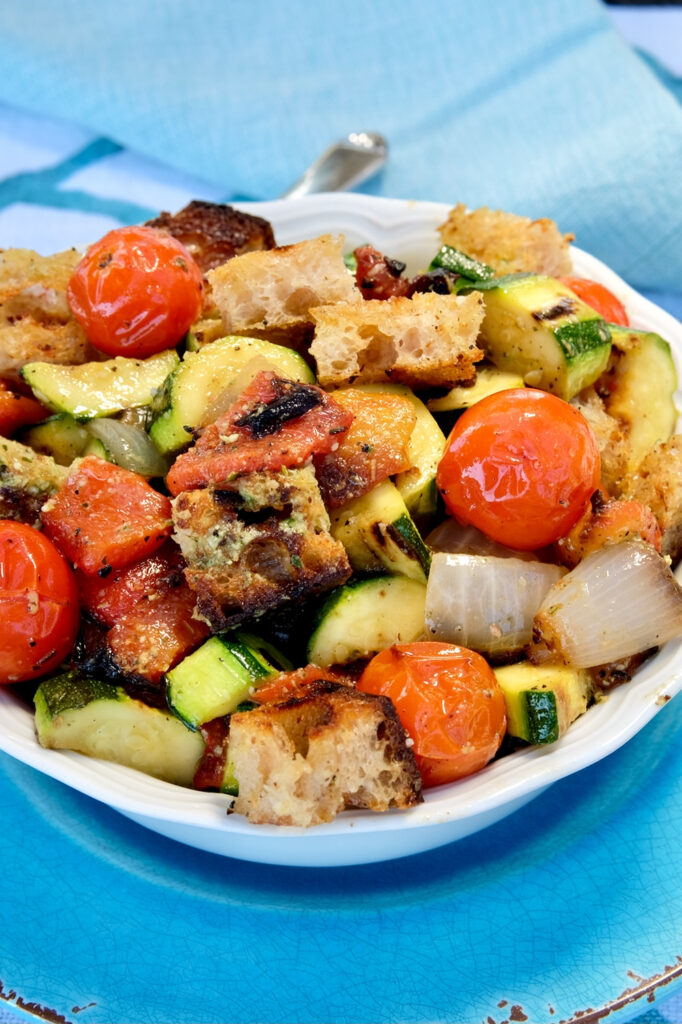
[{"x": 344, "y": 165}]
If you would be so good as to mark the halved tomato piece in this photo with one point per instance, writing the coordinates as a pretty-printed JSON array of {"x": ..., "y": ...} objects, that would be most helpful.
[
  {"x": 104, "y": 517},
  {"x": 110, "y": 597},
  {"x": 17, "y": 410},
  {"x": 374, "y": 447},
  {"x": 155, "y": 634},
  {"x": 294, "y": 683}
]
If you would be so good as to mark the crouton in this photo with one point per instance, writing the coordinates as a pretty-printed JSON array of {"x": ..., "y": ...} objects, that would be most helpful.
[
  {"x": 507, "y": 242},
  {"x": 27, "y": 480},
  {"x": 428, "y": 340},
  {"x": 269, "y": 294},
  {"x": 35, "y": 319},
  {"x": 658, "y": 484},
  {"x": 215, "y": 233},
  {"x": 303, "y": 761},
  {"x": 614, "y": 450},
  {"x": 260, "y": 541}
]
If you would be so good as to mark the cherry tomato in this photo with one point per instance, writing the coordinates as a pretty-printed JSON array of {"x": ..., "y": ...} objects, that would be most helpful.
[
  {"x": 38, "y": 604},
  {"x": 136, "y": 292},
  {"x": 599, "y": 298},
  {"x": 520, "y": 465},
  {"x": 448, "y": 700}
]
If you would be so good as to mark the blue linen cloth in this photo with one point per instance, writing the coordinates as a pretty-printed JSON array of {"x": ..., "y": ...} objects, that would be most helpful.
[{"x": 537, "y": 107}]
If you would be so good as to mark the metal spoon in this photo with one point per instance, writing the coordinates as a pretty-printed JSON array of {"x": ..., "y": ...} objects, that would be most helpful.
[{"x": 344, "y": 165}]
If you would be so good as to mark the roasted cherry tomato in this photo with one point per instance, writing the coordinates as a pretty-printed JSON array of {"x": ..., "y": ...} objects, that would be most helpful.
[
  {"x": 136, "y": 292},
  {"x": 448, "y": 700},
  {"x": 38, "y": 604},
  {"x": 521, "y": 466},
  {"x": 599, "y": 298}
]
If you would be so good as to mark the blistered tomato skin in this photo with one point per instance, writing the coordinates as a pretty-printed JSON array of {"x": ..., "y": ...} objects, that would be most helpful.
[
  {"x": 136, "y": 292},
  {"x": 521, "y": 466},
  {"x": 448, "y": 700},
  {"x": 38, "y": 604}
]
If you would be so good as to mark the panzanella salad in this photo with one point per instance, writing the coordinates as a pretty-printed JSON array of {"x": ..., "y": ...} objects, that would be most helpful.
[{"x": 295, "y": 525}]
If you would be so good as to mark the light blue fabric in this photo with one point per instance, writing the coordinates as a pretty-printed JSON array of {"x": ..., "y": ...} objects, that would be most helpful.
[{"x": 536, "y": 106}]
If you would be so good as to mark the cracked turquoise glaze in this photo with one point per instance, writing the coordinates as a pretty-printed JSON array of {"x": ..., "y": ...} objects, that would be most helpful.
[{"x": 572, "y": 904}]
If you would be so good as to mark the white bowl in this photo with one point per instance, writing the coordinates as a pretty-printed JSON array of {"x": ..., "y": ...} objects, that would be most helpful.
[{"x": 406, "y": 230}]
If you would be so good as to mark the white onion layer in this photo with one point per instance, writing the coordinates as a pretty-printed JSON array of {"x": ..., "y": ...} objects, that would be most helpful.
[
  {"x": 129, "y": 446},
  {"x": 486, "y": 603},
  {"x": 619, "y": 601}
]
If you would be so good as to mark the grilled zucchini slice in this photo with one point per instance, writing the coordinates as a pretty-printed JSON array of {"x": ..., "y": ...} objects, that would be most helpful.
[
  {"x": 489, "y": 380},
  {"x": 543, "y": 700},
  {"x": 78, "y": 712},
  {"x": 365, "y": 616},
  {"x": 60, "y": 436},
  {"x": 640, "y": 386},
  {"x": 100, "y": 389},
  {"x": 537, "y": 327},
  {"x": 215, "y": 679},
  {"x": 378, "y": 533}
]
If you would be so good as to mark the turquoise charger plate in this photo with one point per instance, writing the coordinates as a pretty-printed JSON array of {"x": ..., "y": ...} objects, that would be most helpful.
[{"x": 567, "y": 910}]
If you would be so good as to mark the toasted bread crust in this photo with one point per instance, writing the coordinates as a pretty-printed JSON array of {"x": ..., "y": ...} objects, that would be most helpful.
[
  {"x": 35, "y": 319},
  {"x": 658, "y": 484},
  {"x": 428, "y": 340},
  {"x": 261, "y": 541},
  {"x": 507, "y": 242},
  {"x": 214, "y": 232},
  {"x": 302, "y": 761},
  {"x": 611, "y": 438},
  {"x": 272, "y": 292},
  {"x": 27, "y": 481}
]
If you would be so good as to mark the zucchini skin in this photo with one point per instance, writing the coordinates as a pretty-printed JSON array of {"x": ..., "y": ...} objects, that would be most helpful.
[
  {"x": 71, "y": 691},
  {"x": 213, "y": 680},
  {"x": 543, "y": 701},
  {"x": 541, "y": 718},
  {"x": 79, "y": 712},
  {"x": 537, "y": 327},
  {"x": 100, "y": 389},
  {"x": 458, "y": 262},
  {"x": 364, "y": 616}
]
